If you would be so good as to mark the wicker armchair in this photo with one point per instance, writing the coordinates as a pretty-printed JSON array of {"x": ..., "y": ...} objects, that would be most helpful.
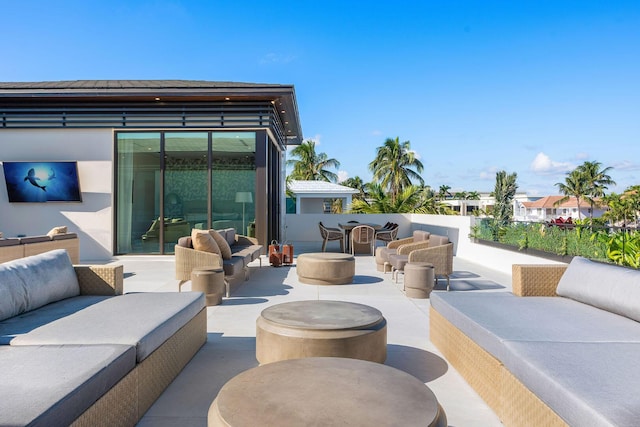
[
  {"x": 440, "y": 256},
  {"x": 419, "y": 240},
  {"x": 187, "y": 259}
]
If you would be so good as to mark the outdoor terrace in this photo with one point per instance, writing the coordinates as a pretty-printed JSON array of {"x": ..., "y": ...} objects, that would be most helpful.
[{"x": 230, "y": 348}]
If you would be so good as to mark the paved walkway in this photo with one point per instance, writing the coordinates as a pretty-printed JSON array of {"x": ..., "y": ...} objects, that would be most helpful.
[{"x": 230, "y": 348}]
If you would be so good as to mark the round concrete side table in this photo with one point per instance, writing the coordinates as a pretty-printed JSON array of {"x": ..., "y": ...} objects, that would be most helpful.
[
  {"x": 211, "y": 282},
  {"x": 301, "y": 329},
  {"x": 325, "y": 391},
  {"x": 419, "y": 278},
  {"x": 326, "y": 268}
]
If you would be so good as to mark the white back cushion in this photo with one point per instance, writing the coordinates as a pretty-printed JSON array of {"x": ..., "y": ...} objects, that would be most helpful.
[{"x": 606, "y": 286}]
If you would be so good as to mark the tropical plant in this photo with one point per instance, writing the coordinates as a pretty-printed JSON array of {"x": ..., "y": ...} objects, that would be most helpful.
[
  {"x": 503, "y": 194},
  {"x": 623, "y": 246},
  {"x": 443, "y": 192},
  {"x": 308, "y": 165},
  {"x": 620, "y": 209},
  {"x": 574, "y": 185},
  {"x": 473, "y": 195},
  {"x": 430, "y": 203},
  {"x": 379, "y": 201},
  {"x": 394, "y": 166},
  {"x": 596, "y": 181},
  {"x": 460, "y": 195},
  {"x": 357, "y": 184}
]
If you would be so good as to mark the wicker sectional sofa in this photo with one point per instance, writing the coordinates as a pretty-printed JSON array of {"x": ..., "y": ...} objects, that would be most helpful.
[
  {"x": 562, "y": 349},
  {"x": 75, "y": 351},
  {"x": 17, "y": 247},
  {"x": 243, "y": 250}
]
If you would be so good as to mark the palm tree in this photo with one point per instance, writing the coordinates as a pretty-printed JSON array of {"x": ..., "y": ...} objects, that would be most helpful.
[
  {"x": 430, "y": 203},
  {"x": 381, "y": 202},
  {"x": 393, "y": 166},
  {"x": 312, "y": 166},
  {"x": 620, "y": 209},
  {"x": 473, "y": 195},
  {"x": 357, "y": 184},
  {"x": 574, "y": 185},
  {"x": 503, "y": 193},
  {"x": 444, "y": 192},
  {"x": 596, "y": 181}
]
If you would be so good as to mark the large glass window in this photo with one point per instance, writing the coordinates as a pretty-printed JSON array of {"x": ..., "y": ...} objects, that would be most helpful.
[
  {"x": 138, "y": 185},
  {"x": 234, "y": 181},
  {"x": 171, "y": 182},
  {"x": 185, "y": 185}
]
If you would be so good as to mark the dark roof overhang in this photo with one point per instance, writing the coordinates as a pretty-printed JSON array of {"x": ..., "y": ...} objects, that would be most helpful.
[{"x": 75, "y": 92}]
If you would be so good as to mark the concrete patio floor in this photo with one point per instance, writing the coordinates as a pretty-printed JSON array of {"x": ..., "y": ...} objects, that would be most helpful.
[{"x": 230, "y": 347}]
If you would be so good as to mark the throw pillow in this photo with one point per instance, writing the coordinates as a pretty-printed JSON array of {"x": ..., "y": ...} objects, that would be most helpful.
[
  {"x": 225, "y": 249},
  {"x": 57, "y": 230},
  {"x": 202, "y": 241}
]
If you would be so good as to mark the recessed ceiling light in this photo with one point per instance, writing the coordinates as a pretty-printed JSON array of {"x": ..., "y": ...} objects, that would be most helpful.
[
  {"x": 157, "y": 99},
  {"x": 227, "y": 98}
]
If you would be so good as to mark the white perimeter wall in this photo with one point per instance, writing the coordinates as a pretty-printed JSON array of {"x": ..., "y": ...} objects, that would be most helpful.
[
  {"x": 92, "y": 218},
  {"x": 304, "y": 228}
]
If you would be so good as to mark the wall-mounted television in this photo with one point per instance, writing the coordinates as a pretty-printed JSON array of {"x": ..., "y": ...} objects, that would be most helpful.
[{"x": 42, "y": 181}]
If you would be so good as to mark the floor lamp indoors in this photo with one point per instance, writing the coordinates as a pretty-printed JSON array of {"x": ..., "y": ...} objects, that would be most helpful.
[{"x": 243, "y": 197}]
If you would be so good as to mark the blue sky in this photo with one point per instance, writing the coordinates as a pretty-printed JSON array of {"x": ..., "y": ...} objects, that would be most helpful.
[{"x": 532, "y": 87}]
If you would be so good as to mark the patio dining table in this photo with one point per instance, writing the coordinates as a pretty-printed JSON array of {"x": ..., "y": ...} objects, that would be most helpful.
[{"x": 348, "y": 226}]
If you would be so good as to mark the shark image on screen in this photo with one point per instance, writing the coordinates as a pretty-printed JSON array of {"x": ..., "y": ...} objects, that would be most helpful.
[{"x": 42, "y": 181}]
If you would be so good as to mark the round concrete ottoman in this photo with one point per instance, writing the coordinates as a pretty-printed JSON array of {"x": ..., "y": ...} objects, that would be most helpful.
[
  {"x": 325, "y": 391},
  {"x": 301, "y": 329},
  {"x": 210, "y": 281},
  {"x": 418, "y": 279},
  {"x": 326, "y": 268}
]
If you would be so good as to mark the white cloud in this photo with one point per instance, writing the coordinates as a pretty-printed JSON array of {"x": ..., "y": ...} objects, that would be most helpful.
[
  {"x": 626, "y": 165},
  {"x": 315, "y": 138},
  {"x": 488, "y": 174},
  {"x": 582, "y": 156},
  {"x": 342, "y": 175},
  {"x": 543, "y": 165},
  {"x": 416, "y": 154}
]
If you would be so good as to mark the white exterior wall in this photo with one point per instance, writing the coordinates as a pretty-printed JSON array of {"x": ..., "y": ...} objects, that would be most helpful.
[
  {"x": 304, "y": 228},
  {"x": 92, "y": 219}
]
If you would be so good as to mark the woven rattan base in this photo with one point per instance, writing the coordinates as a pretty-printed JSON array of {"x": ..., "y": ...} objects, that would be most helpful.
[
  {"x": 127, "y": 401},
  {"x": 477, "y": 367},
  {"x": 118, "y": 407},
  {"x": 514, "y": 404},
  {"x": 163, "y": 365},
  {"x": 523, "y": 408}
]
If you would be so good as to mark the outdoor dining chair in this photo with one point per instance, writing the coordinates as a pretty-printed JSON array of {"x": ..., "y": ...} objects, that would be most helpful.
[
  {"x": 388, "y": 233},
  {"x": 328, "y": 234},
  {"x": 363, "y": 235}
]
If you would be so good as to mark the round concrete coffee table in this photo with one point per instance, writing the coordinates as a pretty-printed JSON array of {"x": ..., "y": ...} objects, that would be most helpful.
[
  {"x": 326, "y": 268},
  {"x": 300, "y": 329},
  {"x": 325, "y": 391}
]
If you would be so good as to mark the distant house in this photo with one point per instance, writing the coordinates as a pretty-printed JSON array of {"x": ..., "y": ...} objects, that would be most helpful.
[
  {"x": 546, "y": 209},
  {"x": 317, "y": 196},
  {"x": 485, "y": 203},
  {"x": 526, "y": 208}
]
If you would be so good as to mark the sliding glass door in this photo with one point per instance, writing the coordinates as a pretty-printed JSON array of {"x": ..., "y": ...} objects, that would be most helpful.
[{"x": 168, "y": 183}]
